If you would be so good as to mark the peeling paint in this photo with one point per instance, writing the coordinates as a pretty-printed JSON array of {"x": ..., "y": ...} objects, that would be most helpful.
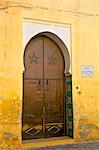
[
  {"x": 87, "y": 129},
  {"x": 9, "y": 141},
  {"x": 11, "y": 111}
]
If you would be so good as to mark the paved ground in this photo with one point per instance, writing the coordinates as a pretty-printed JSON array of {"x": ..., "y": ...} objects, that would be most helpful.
[{"x": 78, "y": 146}]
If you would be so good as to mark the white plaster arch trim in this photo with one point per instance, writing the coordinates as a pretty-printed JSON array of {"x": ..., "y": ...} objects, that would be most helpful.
[{"x": 61, "y": 35}]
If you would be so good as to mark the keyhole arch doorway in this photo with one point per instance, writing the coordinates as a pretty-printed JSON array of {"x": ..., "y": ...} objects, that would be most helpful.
[
  {"x": 46, "y": 60},
  {"x": 60, "y": 43}
]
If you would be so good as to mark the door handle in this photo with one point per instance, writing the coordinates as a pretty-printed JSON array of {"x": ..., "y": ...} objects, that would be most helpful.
[
  {"x": 40, "y": 85},
  {"x": 47, "y": 87},
  {"x": 39, "y": 82},
  {"x": 47, "y": 82}
]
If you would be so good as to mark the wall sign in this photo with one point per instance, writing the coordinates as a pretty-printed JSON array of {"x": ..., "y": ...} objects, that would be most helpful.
[{"x": 87, "y": 71}]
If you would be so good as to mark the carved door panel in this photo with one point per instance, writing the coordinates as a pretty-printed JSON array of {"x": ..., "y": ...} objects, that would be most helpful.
[
  {"x": 53, "y": 89},
  {"x": 33, "y": 90},
  {"x": 43, "y": 107}
]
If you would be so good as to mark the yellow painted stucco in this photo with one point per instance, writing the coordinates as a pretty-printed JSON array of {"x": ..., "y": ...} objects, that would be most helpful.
[{"x": 83, "y": 16}]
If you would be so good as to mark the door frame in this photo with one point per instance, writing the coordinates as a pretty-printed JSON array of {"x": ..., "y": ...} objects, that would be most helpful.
[{"x": 63, "y": 48}]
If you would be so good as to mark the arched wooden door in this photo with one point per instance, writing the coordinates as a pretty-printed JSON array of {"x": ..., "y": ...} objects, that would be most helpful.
[{"x": 44, "y": 89}]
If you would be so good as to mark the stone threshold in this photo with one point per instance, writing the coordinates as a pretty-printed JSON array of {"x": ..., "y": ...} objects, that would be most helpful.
[{"x": 45, "y": 142}]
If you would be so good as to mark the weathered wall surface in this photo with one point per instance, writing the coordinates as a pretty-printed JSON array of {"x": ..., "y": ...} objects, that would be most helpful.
[
  {"x": 84, "y": 19},
  {"x": 10, "y": 77}
]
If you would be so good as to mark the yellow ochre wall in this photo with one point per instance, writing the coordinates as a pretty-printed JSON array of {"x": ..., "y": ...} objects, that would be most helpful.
[{"x": 83, "y": 16}]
